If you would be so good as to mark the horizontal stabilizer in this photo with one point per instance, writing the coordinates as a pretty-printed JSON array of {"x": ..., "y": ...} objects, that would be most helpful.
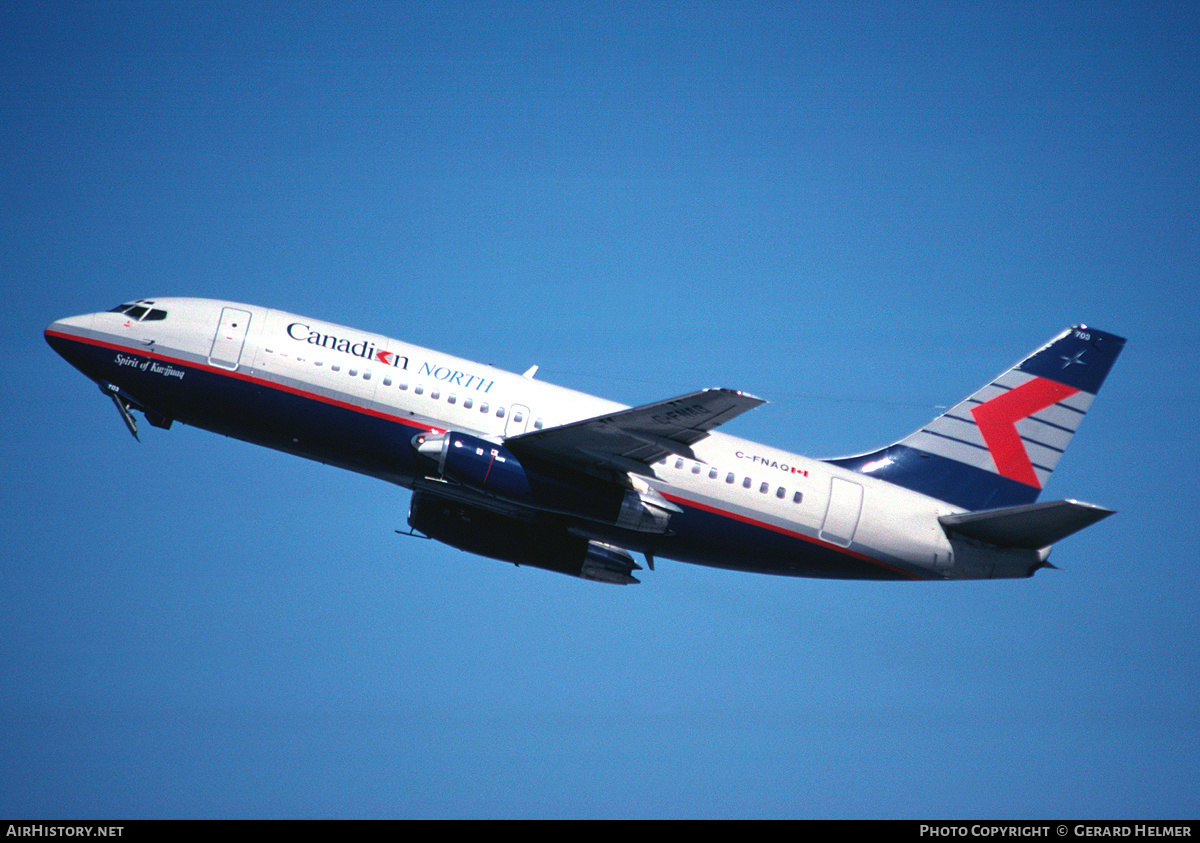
[{"x": 1030, "y": 526}]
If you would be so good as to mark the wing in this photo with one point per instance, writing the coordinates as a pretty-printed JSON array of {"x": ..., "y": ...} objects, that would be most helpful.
[{"x": 629, "y": 440}]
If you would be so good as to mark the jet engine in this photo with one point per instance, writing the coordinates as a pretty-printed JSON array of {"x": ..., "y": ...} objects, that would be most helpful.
[
  {"x": 542, "y": 545},
  {"x": 495, "y": 470}
]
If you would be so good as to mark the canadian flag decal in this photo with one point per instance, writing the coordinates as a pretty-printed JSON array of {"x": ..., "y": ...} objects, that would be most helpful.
[{"x": 997, "y": 420}]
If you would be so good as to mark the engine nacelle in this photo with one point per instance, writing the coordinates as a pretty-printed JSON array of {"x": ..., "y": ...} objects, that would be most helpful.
[
  {"x": 476, "y": 462},
  {"x": 498, "y": 536},
  {"x": 492, "y": 468}
]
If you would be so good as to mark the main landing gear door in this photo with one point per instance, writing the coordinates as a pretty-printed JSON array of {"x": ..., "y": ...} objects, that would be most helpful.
[{"x": 230, "y": 337}]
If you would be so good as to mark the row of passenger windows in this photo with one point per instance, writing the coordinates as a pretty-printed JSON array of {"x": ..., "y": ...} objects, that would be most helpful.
[
  {"x": 764, "y": 487},
  {"x": 468, "y": 403},
  {"x": 435, "y": 394}
]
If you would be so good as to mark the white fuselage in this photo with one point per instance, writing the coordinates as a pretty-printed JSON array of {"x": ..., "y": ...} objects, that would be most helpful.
[{"x": 288, "y": 379}]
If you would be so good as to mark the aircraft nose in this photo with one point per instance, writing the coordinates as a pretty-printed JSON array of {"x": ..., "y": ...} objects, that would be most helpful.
[
  {"x": 63, "y": 333},
  {"x": 71, "y": 324}
]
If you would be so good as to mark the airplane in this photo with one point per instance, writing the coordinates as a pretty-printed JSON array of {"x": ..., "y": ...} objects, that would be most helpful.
[{"x": 511, "y": 467}]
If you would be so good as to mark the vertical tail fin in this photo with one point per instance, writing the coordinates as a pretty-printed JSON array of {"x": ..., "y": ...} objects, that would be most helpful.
[{"x": 998, "y": 447}]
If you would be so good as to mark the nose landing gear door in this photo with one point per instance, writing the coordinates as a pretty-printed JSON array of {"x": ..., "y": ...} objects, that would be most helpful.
[{"x": 227, "y": 342}]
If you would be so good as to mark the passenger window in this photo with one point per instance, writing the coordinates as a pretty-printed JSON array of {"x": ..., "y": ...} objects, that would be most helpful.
[
  {"x": 499, "y": 412},
  {"x": 746, "y": 483},
  {"x": 366, "y": 375},
  {"x": 483, "y": 408},
  {"x": 712, "y": 474},
  {"x": 435, "y": 394},
  {"x": 763, "y": 488},
  {"x": 387, "y": 381},
  {"x": 537, "y": 425},
  {"x": 337, "y": 367},
  {"x": 679, "y": 463},
  {"x": 780, "y": 492},
  {"x": 353, "y": 373},
  {"x": 696, "y": 468},
  {"x": 450, "y": 399},
  {"x": 467, "y": 403},
  {"x": 418, "y": 389},
  {"x": 517, "y": 417},
  {"x": 796, "y": 498},
  {"x": 729, "y": 478}
]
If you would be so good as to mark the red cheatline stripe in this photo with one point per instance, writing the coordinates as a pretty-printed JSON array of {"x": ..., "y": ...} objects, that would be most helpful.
[
  {"x": 324, "y": 399},
  {"x": 791, "y": 533}
]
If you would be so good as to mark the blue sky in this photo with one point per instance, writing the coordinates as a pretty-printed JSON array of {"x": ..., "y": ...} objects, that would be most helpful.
[{"x": 859, "y": 212}]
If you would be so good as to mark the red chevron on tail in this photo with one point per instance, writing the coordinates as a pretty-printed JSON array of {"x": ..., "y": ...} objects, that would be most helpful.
[{"x": 997, "y": 420}]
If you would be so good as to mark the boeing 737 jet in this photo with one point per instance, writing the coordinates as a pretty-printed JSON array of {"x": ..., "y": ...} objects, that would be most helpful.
[{"x": 514, "y": 468}]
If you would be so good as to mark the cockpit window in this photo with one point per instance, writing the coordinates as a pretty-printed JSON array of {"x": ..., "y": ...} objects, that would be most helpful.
[{"x": 141, "y": 310}]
